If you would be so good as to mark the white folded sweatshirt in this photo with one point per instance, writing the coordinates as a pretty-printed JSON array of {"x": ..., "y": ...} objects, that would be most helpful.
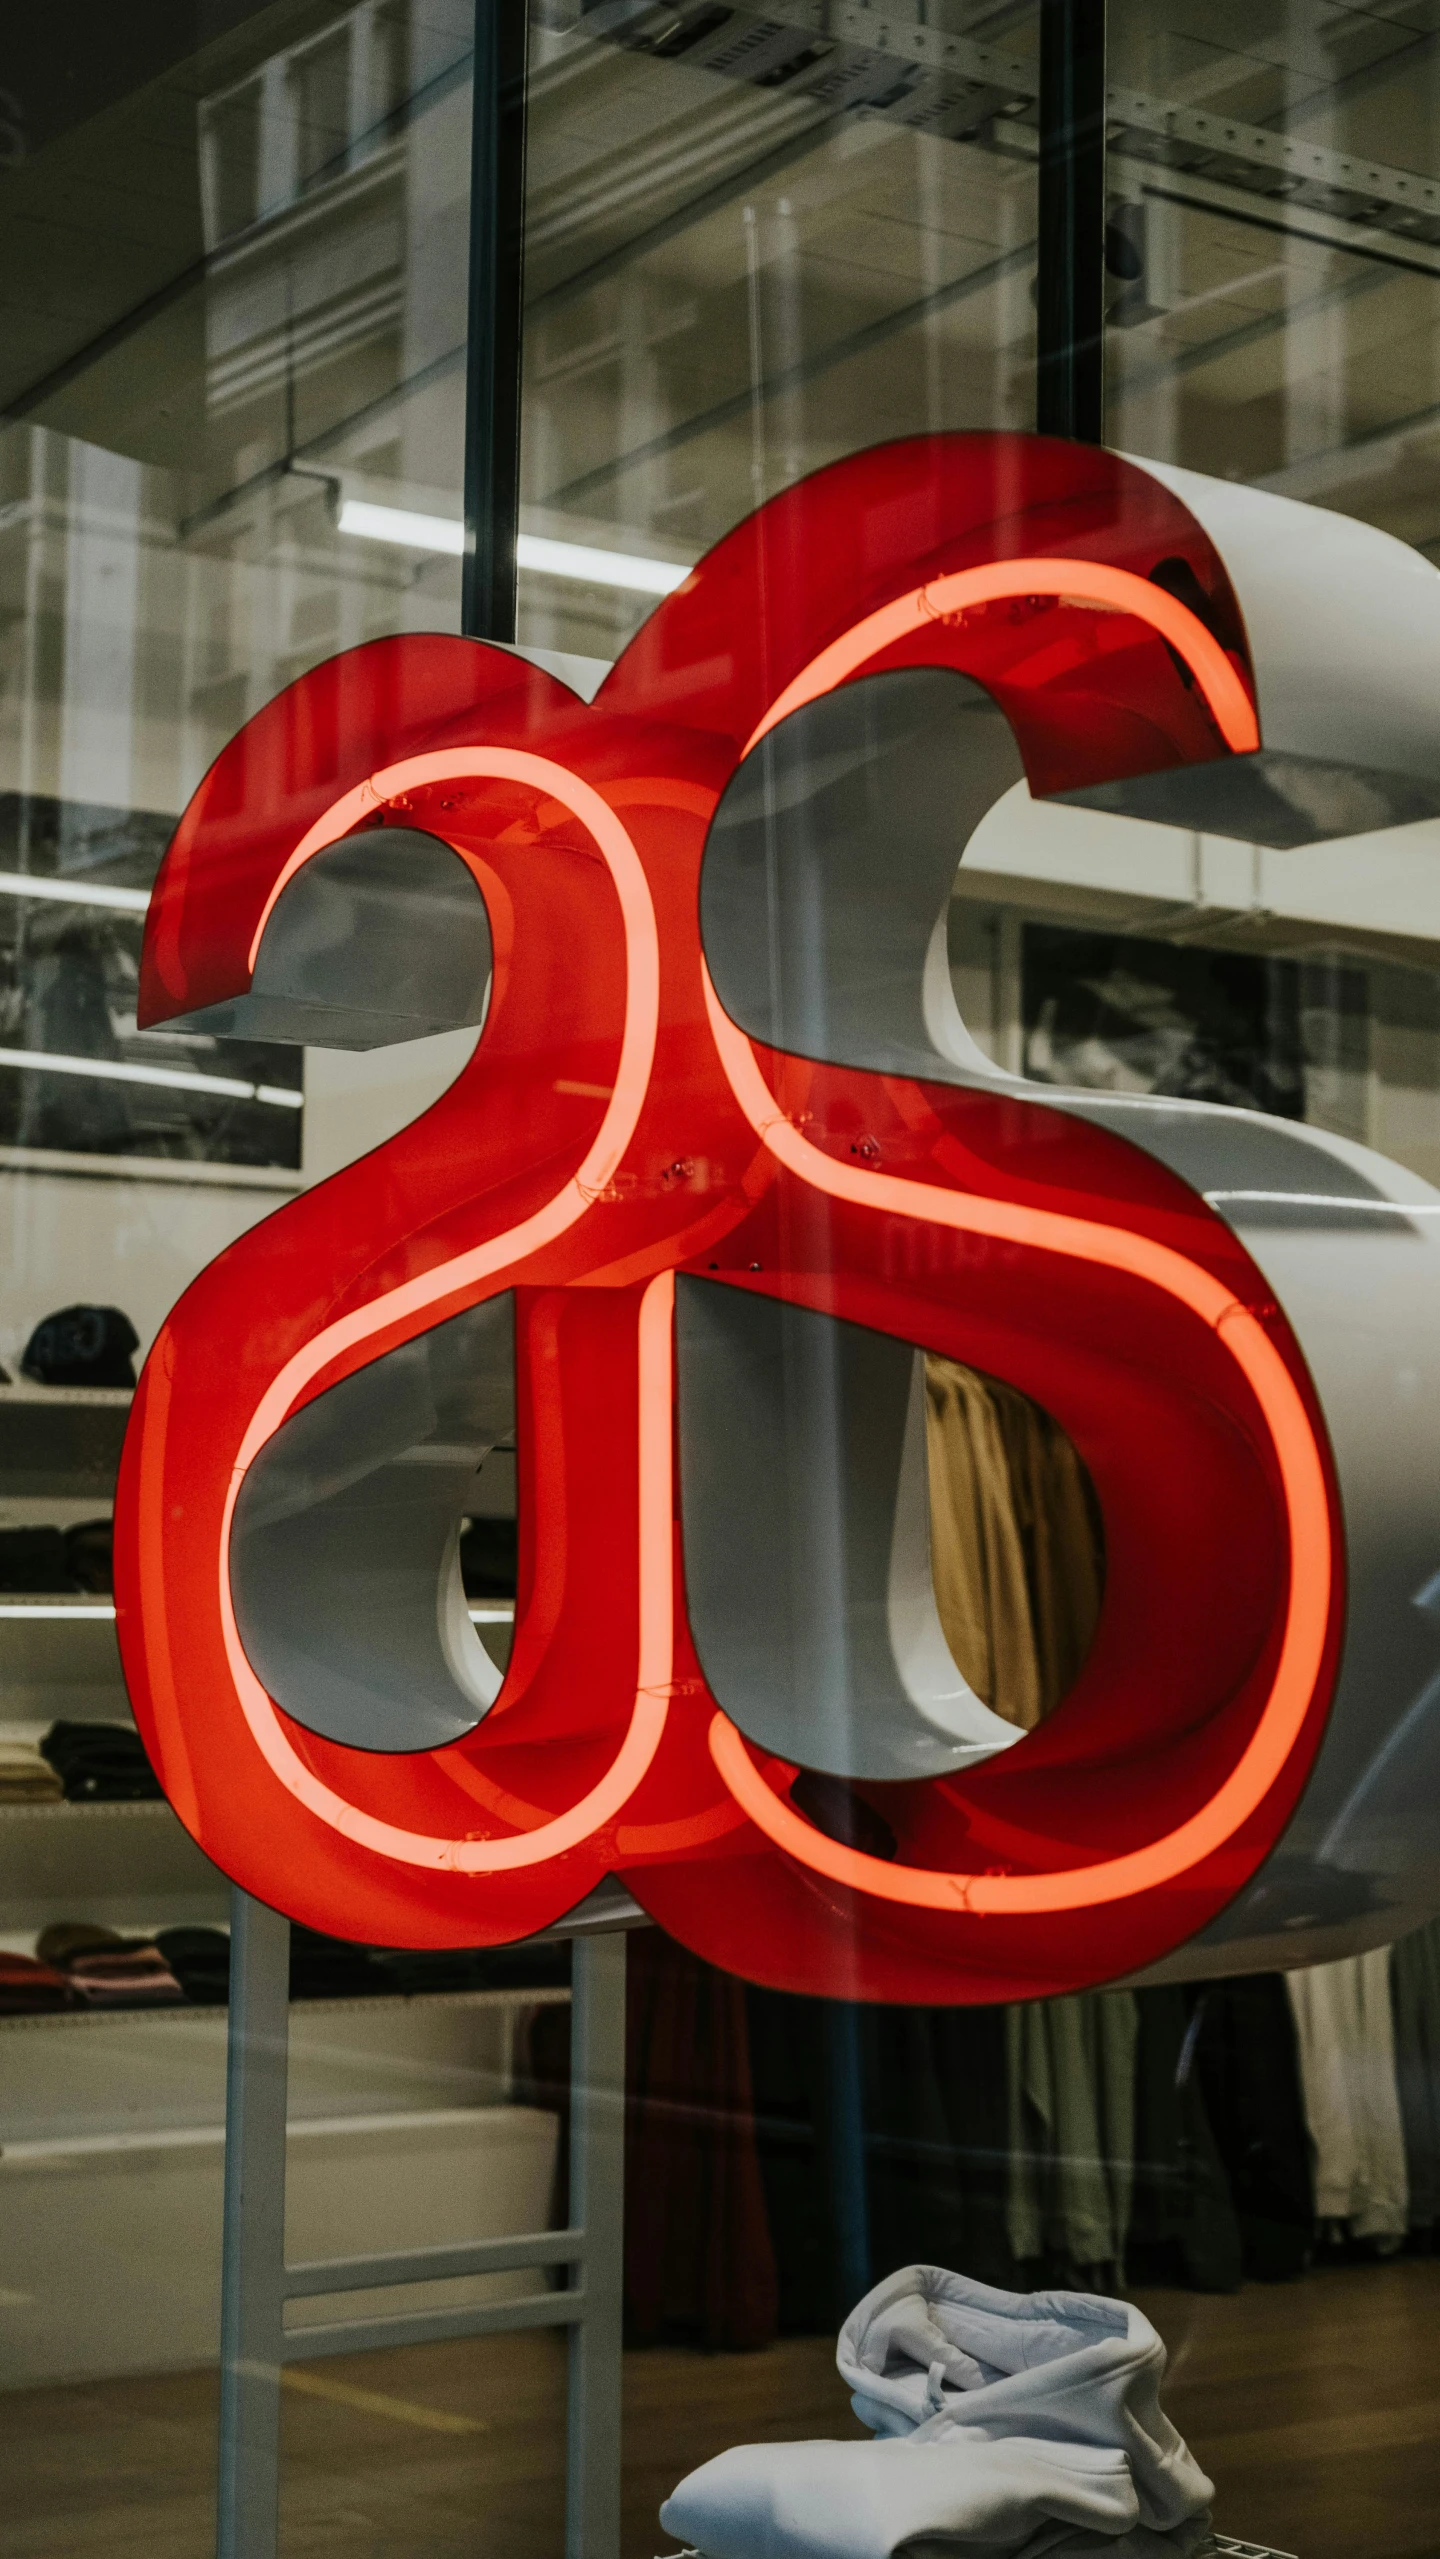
[{"x": 1017, "y": 2424}]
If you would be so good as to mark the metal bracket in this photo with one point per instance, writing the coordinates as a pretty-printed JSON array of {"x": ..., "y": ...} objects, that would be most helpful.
[{"x": 257, "y": 2283}]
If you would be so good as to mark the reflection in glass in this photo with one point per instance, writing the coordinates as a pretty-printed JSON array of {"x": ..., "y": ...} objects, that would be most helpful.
[
  {"x": 750, "y": 248},
  {"x": 1274, "y": 251}
]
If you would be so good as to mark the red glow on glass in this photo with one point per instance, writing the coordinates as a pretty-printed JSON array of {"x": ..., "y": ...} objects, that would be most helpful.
[{"x": 613, "y": 1128}]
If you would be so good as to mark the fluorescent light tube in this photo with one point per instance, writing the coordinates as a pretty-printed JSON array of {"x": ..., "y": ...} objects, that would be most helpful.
[
  {"x": 73, "y": 892},
  {"x": 579, "y": 560},
  {"x": 401, "y": 524},
  {"x": 55, "y": 1608},
  {"x": 598, "y": 568},
  {"x": 118, "y": 1070}
]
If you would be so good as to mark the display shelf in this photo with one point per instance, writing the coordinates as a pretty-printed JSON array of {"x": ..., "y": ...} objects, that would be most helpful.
[
  {"x": 111, "y": 2245},
  {"x": 105, "y": 2074},
  {"x": 59, "y": 1657},
  {"x": 120, "y": 1865},
  {"x": 59, "y": 1442}
]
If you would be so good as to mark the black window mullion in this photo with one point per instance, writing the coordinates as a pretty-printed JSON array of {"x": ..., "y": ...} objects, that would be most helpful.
[
  {"x": 1070, "y": 287},
  {"x": 492, "y": 367}
]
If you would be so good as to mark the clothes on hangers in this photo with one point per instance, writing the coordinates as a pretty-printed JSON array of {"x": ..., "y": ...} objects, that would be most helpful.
[
  {"x": 977, "y": 1560},
  {"x": 1183, "y": 2226},
  {"x": 1023, "y": 2424},
  {"x": 1060, "y": 1535},
  {"x": 1352, "y": 2103},
  {"x": 1247, "y": 2062},
  {"x": 1070, "y": 2074},
  {"x": 698, "y": 2259},
  {"x": 1016, "y": 1550},
  {"x": 1415, "y": 2003},
  {"x": 936, "y": 2134}
]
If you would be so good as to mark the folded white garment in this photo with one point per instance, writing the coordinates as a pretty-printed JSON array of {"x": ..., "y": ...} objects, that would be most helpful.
[{"x": 1015, "y": 2423}]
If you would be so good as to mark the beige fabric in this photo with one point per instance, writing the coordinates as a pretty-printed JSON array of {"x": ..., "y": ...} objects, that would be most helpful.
[
  {"x": 1070, "y": 2071},
  {"x": 976, "y": 1555},
  {"x": 1013, "y": 1545},
  {"x": 1058, "y": 1532}
]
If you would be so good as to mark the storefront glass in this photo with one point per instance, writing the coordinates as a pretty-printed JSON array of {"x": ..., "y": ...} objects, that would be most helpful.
[{"x": 757, "y": 243}]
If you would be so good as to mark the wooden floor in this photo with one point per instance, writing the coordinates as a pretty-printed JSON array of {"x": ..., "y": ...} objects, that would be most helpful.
[{"x": 1315, "y": 2407}]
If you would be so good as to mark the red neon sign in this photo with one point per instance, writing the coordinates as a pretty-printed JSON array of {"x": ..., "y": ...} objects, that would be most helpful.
[{"x": 616, "y": 1129}]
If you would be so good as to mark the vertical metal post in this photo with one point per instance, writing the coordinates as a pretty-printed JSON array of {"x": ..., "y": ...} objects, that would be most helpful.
[
  {"x": 1070, "y": 287},
  {"x": 597, "y": 2206},
  {"x": 492, "y": 373},
  {"x": 848, "y": 2165},
  {"x": 253, "y": 2259}
]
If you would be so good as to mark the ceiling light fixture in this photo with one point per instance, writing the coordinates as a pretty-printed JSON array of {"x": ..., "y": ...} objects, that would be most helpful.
[
  {"x": 118, "y": 1070},
  {"x": 73, "y": 892},
  {"x": 581, "y": 561}
]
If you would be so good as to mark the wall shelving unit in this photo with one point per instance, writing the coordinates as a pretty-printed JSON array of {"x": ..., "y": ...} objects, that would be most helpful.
[{"x": 404, "y": 2130}]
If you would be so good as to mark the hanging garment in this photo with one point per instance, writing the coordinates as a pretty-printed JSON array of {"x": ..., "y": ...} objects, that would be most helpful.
[
  {"x": 933, "y": 2131},
  {"x": 698, "y": 2260},
  {"x": 1060, "y": 1536},
  {"x": 1182, "y": 2222},
  {"x": 914, "y": 2186},
  {"x": 970, "y": 2066},
  {"x": 1016, "y": 1548},
  {"x": 977, "y": 1557},
  {"x": 1248, "y": 2064},
  {"x": 1010, "y": 2423},
  {"x": 790, "y": 2077},
  {"x": 1415, "y": 2001},
  {"x": 1070, "y": 2072},
  {"x": 1352, "y": 2104}
]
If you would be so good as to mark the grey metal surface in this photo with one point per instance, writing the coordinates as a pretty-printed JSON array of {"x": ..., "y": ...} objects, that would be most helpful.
[
  {"x": 597, "y": 2206},
  {"x": 379, "y": 938},
  {"x": 344, "y": 1552},
  {"x": 253, "y": 2248},
  {"x": 256, "y": 2283},
  {"x": 1351, "y": 1245},
  {"x": 831, "y": 853},
  {"x": 829, "y": 866},
  {"x": 428, "y": 2265},
  {"x": 424, "y": 2327},
  {"x": 803, "y": 1486},
  {"x": 1267, "y": 798}
]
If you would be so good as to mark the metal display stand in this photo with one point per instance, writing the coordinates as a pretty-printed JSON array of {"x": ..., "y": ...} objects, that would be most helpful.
[{"x": 256, "y": 2282}]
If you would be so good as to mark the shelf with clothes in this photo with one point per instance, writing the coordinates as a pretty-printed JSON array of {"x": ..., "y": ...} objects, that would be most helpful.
[{"x": 407, "y": 2120}]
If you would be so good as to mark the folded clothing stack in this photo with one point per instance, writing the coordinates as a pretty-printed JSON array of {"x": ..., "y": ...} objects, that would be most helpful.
[
  {"x": 330, "y": 1967},
  {"x": 101, "y": 1764},
  {"x": 199, "y": 1958},
  {"x": 1008, "y": 2426},
  {"x": 26, "y": 1778},
  {"x": 32, "y": 1989},
  {"x": 106, "y": 1970},
  {"x": 47, "y": 1560}
]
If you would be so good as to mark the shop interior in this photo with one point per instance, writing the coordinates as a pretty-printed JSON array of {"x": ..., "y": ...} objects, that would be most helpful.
[{"x": 233, "y": 391}]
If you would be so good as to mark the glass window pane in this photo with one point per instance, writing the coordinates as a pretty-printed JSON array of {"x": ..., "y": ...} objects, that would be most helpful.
[
  {"x": 752, "y": 247},
  {"x": 1274, "y": 259}
]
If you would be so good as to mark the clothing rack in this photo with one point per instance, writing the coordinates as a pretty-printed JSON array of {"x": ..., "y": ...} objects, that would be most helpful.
[{"x": 257, "y": 2283}]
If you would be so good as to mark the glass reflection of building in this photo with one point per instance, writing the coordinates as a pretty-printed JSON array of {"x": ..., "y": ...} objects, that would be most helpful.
[{"x": 233, "y": 377}]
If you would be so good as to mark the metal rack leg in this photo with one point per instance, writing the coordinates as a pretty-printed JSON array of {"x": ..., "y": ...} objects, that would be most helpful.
[
  {"x": 597, "y": 2206},
  {"x": 253, "y": 2259}
]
